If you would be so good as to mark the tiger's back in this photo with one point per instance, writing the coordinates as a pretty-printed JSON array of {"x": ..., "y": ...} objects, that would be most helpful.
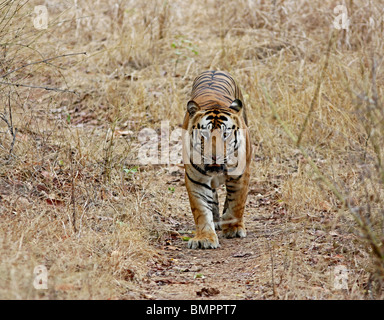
[
  {"x": 216, "y": 89},
  {"x": 216, "y": 150}
]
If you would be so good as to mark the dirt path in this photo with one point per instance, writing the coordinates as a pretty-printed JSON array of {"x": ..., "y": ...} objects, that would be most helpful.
[
  {"x": 225, "y": 273},
  {"x": 239, "y": 269},
  {"x": 282, "y": 257}
]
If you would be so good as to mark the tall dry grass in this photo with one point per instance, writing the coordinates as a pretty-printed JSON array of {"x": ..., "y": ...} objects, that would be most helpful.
[{"x": 71, "y": 195}]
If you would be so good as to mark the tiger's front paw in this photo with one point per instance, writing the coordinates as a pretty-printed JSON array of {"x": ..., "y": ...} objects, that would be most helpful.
[
  {"x": 233, "y": 231},
  {"x": 204, "y": 241}
]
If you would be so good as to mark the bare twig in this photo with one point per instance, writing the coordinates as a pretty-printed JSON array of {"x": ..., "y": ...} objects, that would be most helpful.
[
  {"x": 73, "y": 201},
  {"x": 38, "y": 87},
  {"x": 316, "y": 95},
  {"x": 9, "y": 122},
  {"x": 270, "y": 249},
  {"x": 40, "y": 61}
]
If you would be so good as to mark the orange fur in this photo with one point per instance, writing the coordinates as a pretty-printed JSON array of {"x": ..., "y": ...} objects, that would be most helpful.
[{"x": 216, "y": 133}]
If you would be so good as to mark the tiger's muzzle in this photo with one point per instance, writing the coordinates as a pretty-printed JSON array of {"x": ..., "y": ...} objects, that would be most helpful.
[{"x": 215, "y": 168}]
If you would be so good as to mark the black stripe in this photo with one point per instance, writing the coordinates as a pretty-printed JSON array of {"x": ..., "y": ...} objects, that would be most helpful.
[
  {"x": 197, "y": 182},
  {"x": 216, "y": 111},
  {"x": 206, "y": 198},
  {"x": 231, "y": 189},
  {"x": 234, "y": 179},
  {"x": 207, "y": 203},
  {"x": 202, "y": 171}
]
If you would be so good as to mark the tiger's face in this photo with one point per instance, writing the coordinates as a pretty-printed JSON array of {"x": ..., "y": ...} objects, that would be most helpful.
[{"x": 216, "y": 138}]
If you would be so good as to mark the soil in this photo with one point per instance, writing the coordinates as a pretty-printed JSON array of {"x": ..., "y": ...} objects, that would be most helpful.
[
  {"x": 224, "y": 273},
  {"x": 283, "y": 256},
  {"x": 238, "y": 269}
]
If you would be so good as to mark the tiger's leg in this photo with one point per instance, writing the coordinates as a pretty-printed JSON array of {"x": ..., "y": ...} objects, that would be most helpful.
[
  {"x": 201, "y": 200},
  {"x": 215, "y": 210},
  {"x": 232, "y": 221}
]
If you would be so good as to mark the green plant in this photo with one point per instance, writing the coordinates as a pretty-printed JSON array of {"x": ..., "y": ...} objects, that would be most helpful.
[
  {"x": 171, "y": 189},
  {"x": 183, "y": 49}
]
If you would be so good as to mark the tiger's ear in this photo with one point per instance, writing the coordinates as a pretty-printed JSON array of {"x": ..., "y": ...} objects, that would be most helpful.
[
  {"x": 192, "y": 108},
  {"x": 236, "y": 105}
]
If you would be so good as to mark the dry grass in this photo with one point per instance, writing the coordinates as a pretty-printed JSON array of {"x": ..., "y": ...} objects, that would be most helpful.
[{"x": 66, "y": 201}]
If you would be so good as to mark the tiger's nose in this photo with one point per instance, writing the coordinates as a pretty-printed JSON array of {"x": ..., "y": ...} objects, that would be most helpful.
[{"x": 216, "y": 160}]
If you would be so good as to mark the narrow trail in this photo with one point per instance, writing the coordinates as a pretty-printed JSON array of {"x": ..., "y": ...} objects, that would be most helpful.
[
  {"x": 193, "y": 274},
  {"x": 238, "y": 269},
  {"x": 282, "y": 257}
]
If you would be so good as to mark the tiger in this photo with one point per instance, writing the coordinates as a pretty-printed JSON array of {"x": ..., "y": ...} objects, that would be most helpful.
[{"x": 216, "y": 151}]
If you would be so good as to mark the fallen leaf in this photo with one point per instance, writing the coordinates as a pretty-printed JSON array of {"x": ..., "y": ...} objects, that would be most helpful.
[
  {"x": 207, "y": 292},
  {"x": 242, "y": 254},
  {"x": 128, "y": 274},
  {"x": 325, "y": 206},
  {"x": 172, "y": 248},
  {"x": 147, "y": 296},
  {"x": 54, "y": 202},
  {"x": 162, "y": 282}
]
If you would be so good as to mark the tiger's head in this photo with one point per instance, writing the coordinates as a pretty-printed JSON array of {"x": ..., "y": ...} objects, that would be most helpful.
[{"x": 216, "y": 137}]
